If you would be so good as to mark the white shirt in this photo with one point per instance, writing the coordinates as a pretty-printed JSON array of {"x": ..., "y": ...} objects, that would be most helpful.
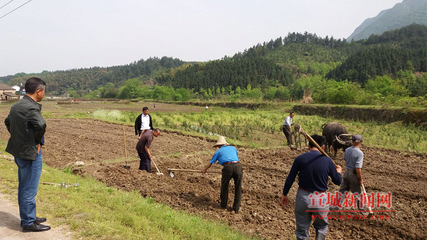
[
  {"x": 288, "y": 121},
  {"x": 145, "y": 122}
]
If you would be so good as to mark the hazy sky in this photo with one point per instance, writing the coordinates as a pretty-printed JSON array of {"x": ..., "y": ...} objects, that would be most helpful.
[{"x": 66, "y": 34}]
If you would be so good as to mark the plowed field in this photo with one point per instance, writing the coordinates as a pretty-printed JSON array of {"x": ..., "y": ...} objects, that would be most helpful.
[{"x": 100, "y": 146}]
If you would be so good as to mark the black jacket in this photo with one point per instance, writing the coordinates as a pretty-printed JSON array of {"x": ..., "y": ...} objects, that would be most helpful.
[
  {"x": 26, "y": 127},
  {"x": 138, "y": 124}
]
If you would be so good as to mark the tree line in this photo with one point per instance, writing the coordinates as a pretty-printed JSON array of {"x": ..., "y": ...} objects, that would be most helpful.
[
  {"x": 234, "y": 72},
  {"x": 87, "y": 79}
]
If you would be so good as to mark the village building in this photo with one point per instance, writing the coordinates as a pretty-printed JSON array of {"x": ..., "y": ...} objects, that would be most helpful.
[{"x": 7, "y": 93}]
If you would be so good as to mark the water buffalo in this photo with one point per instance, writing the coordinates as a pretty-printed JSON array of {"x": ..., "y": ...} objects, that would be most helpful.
[{"x": 336, "y": 136}]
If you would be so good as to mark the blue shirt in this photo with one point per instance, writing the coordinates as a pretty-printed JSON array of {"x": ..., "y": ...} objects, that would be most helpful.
[
  {"x": 313, "y": 169},
  {"x": 225, "y": 154},
  {"x": 353, "y": 157}
]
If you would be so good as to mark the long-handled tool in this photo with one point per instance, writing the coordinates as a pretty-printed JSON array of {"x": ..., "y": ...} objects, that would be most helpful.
[
  {"x": 63, "y": 185},
  {"x": 365, "y": 195},
  {"x": 171, "y": 170},
  {"x": 126, "y": 152},
  {"x": 299, "y": 128},
  {"x": 158, "y": 171}
]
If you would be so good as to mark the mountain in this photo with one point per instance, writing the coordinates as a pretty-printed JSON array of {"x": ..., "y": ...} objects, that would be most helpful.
[{"x": 402, "y": 14}]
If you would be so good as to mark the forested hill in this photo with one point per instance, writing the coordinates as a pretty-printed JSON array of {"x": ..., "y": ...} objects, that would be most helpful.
[
  {"x": 397, "y": 50},
  {"x": 229, "y": 72},
  {"x": 402, "y": 14},
  {"x": 86, "y": 79},
  {"x": 282, "y": 60}
]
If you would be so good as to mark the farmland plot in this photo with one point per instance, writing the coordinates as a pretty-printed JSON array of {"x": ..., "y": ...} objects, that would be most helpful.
[{"x": 100, "y": 146}]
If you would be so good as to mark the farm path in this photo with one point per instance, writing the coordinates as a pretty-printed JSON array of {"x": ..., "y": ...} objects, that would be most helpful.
[{"x": 10, "y": 229}]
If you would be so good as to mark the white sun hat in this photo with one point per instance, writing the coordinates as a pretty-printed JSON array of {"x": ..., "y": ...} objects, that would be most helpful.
[{"x": 221, "y": 141}]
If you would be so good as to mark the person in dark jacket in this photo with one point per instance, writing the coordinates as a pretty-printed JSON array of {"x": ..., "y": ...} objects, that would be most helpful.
[
  {"x": 313, "y": 170},
  {"x": 27, "y": 127},
  {"x": 143, "y": 122}
]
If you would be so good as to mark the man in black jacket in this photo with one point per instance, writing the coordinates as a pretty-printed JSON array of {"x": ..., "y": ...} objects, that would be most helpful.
[
  {"x": 27, "y": 127},
  {"x": 143, "y": 122}
]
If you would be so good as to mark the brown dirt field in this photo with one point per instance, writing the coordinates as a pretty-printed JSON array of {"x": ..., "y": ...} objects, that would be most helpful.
[
  {"x": 100, "y": 146},
  {"x": 90, "y": 106}
]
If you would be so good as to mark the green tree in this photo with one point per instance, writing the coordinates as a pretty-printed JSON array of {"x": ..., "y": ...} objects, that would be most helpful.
[
  {"x": 72, "y": 93},
  {"x": 270, "y": 93},
  {"x": 110, "y": 91},
  {"x": 385, "y": 86},
  {"x": 132, "y": 89},
  {"x": 184, "y": 93},
  {"x": 164, "y": 93},
  {"x": 283, "y": 93}
]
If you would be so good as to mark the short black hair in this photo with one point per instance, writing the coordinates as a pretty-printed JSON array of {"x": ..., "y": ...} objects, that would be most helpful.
[
  {"x": 321, "y": 140},
  {"x": 144, "y": 108},
  {"x": 33, "y": 84},
  {"x": 291, "y": 113},
  {"x": 156, "y": 130}
]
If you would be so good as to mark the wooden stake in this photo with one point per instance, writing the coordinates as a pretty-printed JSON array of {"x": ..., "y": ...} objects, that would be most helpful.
[{"x": 126, "y": 152}]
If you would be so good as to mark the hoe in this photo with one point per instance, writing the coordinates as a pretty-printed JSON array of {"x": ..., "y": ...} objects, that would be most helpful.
[
  {"x": 126, "y": 152},
  {"x": 172, "y": 170}
]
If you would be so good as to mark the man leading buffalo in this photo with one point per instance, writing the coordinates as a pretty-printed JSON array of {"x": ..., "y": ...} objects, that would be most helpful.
[{"x": 287, "y": 125}]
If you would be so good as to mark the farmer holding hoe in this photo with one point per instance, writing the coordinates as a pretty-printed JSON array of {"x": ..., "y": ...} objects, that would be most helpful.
[
  {"x": 352, "y": 179},
  {"x": 143, "y": 148},
  {"x": 227, "y": 156},
  {"x": 313, "y": 170}
]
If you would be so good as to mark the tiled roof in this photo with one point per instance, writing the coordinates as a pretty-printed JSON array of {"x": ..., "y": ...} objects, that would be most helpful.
[{"x": 6, "y": 87}]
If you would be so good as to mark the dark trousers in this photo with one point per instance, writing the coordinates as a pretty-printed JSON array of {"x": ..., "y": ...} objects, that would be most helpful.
[
  {"x": 350, "y": 181},
  {"x": 29, "y": 173},
  {"x": 287, "y": 133},
  {"x": 229, "y": 171},
  {"x": 145, "y": 162}
]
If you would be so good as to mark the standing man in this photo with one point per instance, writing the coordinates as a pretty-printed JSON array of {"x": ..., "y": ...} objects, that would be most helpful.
[
  {"x": 313, "y": 169},
  {"x": 143, "y": 148},
  {"x": 352, "y": 179},
  {"x": 27, "y": 127},
  {"x": 287, "y": 124},
  {"x": 143, "y": 122},
  {"x": 227, "y": 156}
]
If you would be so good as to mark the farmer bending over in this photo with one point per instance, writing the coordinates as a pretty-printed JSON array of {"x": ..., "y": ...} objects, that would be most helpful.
[{"x": 227, "y": 156}]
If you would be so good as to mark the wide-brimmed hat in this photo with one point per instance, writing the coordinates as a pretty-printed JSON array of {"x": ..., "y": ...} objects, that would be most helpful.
[{"x": 221, "y": 141}]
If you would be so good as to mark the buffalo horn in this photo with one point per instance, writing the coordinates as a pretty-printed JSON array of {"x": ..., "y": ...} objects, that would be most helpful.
[{"x": 339, "y": 140}]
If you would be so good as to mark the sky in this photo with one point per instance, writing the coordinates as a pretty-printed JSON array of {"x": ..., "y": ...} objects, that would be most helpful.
[{"x": 70, "y": 34}]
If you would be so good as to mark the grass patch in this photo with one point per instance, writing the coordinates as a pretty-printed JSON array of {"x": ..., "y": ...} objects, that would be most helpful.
[
  {"x": 96, "y": 211},
  {"x": 263, "y": 128}
]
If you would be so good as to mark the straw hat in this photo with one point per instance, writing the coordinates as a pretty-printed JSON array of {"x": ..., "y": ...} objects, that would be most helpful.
[{"x": 221, "y": 141}]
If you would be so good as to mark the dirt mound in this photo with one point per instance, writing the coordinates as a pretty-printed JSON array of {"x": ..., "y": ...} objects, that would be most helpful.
[{"x": 100, "y": 146}]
